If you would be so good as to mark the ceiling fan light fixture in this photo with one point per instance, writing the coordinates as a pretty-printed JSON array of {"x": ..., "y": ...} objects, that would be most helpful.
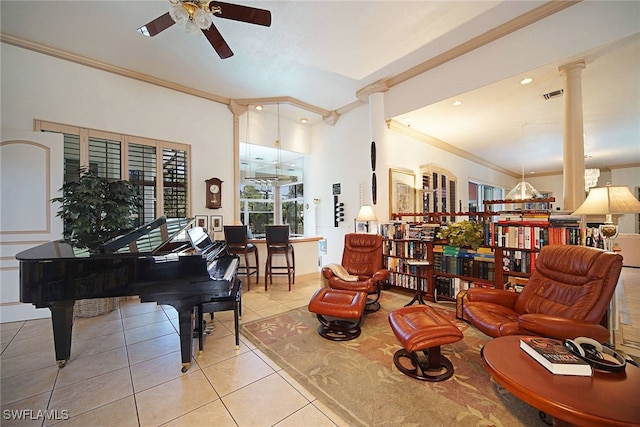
[
  {"x": 194, "y": 15},
  {"x": 202, "y": 19},
  {"x": 179, "y": 14}
]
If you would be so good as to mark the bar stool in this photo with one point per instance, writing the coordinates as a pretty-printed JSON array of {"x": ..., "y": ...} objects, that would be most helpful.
[
  {"x": 278, "y": 244},
  {"x": 237, "y": 240}
]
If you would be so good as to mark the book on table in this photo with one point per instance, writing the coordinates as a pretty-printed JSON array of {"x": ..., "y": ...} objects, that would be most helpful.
[{"x": 551, "y": 354}]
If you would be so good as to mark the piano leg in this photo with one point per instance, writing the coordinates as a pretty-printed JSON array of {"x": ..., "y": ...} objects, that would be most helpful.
[
  {"x": 186, "y": 336},
  {"x": 62, "y": 321}
]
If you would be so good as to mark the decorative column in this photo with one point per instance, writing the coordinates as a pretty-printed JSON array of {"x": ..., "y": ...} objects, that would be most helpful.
[
  {"x": 237, "y": 111},
  {"x": 573, "y": 136}
]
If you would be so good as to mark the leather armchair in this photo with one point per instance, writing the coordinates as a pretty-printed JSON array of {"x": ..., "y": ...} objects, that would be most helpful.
[
  {"x": 566, "y": 297},
  {"x": 362, "y": 257}
]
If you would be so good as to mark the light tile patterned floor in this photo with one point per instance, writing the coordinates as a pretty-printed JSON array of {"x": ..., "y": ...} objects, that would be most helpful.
[{"x": 125, "y": 371}]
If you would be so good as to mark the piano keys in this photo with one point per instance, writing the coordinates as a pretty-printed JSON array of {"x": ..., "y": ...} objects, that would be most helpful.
[{"x": 154, "y": 262}]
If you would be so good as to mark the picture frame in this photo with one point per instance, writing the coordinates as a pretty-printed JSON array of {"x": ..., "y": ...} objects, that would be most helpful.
[
  {"x": 216, "y": 222},
  {"x": 402, "y": 192},
  {"x": 201, "y": 221}
]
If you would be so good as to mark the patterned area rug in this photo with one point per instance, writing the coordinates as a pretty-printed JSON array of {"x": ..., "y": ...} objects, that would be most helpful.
[{"x": 359, "y": 381}]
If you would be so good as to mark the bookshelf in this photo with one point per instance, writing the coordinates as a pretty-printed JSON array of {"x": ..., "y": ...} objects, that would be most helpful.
[
  {"x": 512, "y": 240},
  {"x": 404, "y": 243}
]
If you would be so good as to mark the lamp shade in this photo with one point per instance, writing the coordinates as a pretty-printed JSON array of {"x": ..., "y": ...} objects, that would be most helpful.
[
  {"x": 366, "y": 214},
  {"x": 610, "y": 199}
]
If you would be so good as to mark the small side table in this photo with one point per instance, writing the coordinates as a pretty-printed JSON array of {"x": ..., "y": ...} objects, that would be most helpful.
[{"x": 422, "y": 267}]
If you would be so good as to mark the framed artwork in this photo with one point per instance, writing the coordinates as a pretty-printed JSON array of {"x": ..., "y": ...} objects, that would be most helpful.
[
  {"x": 202, "y": 221},
  {"x": 216, "y": 222},
  {"x": 402, "y": 192}
]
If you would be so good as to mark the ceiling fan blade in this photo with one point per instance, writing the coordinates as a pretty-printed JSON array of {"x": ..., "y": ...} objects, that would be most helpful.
[
  {"x": 236, "y": 12},
  {"x": 156, "y": 26},
  {"x": 218, "y": 43}
]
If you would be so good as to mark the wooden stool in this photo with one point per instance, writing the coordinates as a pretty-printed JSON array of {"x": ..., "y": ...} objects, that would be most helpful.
[
  {"x": 421, "y": 330},
  {"x": 339, "y": 312}
]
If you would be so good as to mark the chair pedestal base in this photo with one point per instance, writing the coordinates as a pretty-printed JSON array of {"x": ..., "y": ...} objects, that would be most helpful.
[
  {"x": 427, "y": 365},
  {"x": 338, "y": 329}
]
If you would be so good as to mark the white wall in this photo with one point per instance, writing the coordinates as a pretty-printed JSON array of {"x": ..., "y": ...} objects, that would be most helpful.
[
  {"x": 631, "y": 178},
  {"x": 35, "y": 86}
]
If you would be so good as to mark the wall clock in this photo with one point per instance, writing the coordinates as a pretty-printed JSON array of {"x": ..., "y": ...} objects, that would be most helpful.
[{"x": 213, "y": 193}]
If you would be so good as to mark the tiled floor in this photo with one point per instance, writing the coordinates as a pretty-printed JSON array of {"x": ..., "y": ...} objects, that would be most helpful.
[{"x": 125, "y": 371}]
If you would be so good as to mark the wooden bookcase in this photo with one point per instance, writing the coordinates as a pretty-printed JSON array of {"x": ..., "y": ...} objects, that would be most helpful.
[{"x": 505, "y": 261}]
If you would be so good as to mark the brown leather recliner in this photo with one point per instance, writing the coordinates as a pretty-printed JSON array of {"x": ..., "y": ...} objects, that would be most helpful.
[
  {"x": 566, "y": 297},
  {"x": 362, "y": 257}
]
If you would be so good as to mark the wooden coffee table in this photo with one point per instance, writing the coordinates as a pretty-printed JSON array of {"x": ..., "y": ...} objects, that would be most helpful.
[{"x": 605, "y": 399}]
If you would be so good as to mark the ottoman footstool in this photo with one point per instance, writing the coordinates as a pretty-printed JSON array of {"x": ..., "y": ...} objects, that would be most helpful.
[
  {"x": 422, "y": 330},
  {"x": 339, "y": 312}
]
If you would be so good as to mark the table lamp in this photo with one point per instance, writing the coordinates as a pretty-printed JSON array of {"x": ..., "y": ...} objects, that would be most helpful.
[
  {"x": 608, "y": 200},
  {"x": 365, "y": 215}
]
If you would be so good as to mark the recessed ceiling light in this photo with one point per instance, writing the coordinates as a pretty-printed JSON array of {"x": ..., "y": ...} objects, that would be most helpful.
[
  {"x": 457, "y": 102},
  {"x": 526, "y": 81},
  {"x": 303, "y": 120},
  {"x": 258, "y": 107},
  {"x": 293, "y": 165}
]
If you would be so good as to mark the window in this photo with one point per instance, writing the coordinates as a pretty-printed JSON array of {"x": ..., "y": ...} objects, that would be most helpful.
[
  {"x": 478, "y": 193},
  {"x": 109, "y": 154},
  {"x": 257, "y": 208},
  {"x": 292, "y": 207},
  {"x": 439, "y": 190},
  {"x": 142, "y": 174}
]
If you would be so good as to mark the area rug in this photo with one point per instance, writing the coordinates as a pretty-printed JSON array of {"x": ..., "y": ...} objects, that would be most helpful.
[{"x": 358, "y": 380}]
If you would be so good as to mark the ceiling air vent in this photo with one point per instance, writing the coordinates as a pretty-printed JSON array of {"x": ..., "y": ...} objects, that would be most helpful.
[{"x": 554, "y": 94}]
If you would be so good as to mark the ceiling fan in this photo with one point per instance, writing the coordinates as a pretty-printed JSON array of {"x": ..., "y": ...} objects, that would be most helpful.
[{"x": 196, "y": 15}]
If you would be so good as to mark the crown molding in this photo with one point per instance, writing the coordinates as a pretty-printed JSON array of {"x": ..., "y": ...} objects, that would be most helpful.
[
  {"x": 398, "y": 127},
  {"x": 83, "y": 60}
]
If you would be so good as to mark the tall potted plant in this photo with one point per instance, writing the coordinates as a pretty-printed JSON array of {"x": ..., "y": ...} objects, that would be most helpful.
[{"x": 94, "y": 210}]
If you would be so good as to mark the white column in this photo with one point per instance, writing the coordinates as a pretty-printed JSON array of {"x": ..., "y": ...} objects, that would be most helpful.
[
  {"x": 573, "y": 136},
  {"x": 237, "y": 111}
]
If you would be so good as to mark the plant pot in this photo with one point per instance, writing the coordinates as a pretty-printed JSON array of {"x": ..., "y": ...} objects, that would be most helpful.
[{"x": 95, "y": 306}]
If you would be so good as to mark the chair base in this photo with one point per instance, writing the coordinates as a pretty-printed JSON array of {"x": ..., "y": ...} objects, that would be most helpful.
[
  {"x": 372, "y": 306},
  {"x": 338, "y": 329},
  {"x": 427, "y": 365}
]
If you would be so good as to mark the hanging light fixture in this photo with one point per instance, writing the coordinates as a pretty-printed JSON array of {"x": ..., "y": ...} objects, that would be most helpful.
[
  {"x": 523, "y": 190},
  {"x": 194, "y": 15},
  {"x": 277, "y": 177}
]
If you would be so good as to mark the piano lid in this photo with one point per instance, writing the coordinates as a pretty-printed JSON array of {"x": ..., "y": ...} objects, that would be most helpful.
[{"x": 148, "y": 238}]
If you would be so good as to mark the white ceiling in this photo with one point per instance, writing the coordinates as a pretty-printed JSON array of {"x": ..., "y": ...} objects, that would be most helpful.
[{"x": 322, "y": 52}]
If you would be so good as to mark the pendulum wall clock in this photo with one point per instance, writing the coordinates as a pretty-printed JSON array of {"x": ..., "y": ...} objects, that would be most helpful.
[{"x": 213, "y": 193}]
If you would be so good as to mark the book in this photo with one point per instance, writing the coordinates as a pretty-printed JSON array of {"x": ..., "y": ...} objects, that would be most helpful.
[{"x": 554, "y": 356}]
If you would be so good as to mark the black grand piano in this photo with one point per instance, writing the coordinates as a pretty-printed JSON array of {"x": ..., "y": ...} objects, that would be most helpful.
[{"x": 156, "y": 262}]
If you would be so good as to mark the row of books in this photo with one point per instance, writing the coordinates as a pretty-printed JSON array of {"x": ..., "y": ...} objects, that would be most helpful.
[
  {"x": 464, "y": 262},
  {"x": 539, "y": 216},
  {"x": 414, "y": 249},
  {"x": 406, "y": 281},
  {"x": 450, "y": 286},
  {"x": 519, "y": 261},
  {"x": 400, "y": 265},
  {"x": 408, "y": 231},
  {"x": 534, "y": 237}
]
